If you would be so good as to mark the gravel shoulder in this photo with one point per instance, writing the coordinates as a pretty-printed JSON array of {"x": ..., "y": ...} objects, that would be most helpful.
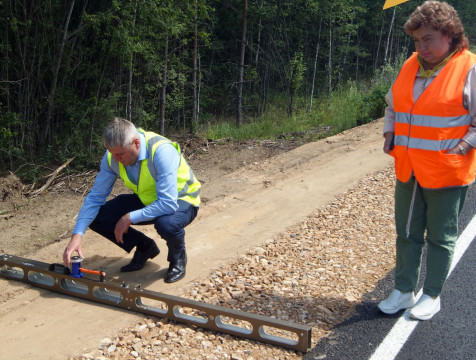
[{"x": 302, "y": 235}]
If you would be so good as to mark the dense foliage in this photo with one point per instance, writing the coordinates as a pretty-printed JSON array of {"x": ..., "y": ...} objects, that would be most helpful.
[{"x": 68, "y": 66}]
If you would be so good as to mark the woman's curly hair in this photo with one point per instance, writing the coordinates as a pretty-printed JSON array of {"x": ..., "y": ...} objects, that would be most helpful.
[{"x": 441, "y": 16}]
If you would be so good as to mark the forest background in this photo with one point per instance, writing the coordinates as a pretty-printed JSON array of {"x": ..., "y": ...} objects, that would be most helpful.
[{"x": 208, "y": 68}]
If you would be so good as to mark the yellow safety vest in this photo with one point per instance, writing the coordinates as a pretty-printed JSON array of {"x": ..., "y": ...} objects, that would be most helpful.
[{"x": 187, "y": 185}]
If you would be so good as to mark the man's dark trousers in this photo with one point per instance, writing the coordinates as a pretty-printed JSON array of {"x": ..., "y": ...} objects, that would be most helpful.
[{"x": 169, "y": 227}]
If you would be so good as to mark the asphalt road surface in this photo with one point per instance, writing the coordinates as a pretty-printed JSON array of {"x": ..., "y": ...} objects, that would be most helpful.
[{"x": 450, "y": 335}]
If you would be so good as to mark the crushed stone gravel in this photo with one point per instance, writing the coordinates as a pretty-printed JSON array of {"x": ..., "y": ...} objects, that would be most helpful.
[{"x": 314, "y": 273}]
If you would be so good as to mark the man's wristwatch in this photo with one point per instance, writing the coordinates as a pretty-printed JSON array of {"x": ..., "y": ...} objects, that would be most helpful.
[{"x": 461, "y": 148}]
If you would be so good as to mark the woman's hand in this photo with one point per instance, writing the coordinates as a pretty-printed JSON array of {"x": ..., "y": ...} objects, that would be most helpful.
[
  {"x": 387, "y": 145},
  {"x": 461, "y": 149}
]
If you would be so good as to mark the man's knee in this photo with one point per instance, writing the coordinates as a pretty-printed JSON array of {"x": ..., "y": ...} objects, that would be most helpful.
[
  {"x": 172, "y": 227},
  {"x": 168, "y": 228}
]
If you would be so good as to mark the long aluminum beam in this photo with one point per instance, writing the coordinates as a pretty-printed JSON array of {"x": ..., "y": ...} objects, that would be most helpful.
[{"x": 132, "y": 297}]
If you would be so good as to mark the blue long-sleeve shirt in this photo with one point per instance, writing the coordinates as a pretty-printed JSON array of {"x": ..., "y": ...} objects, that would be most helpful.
[{"x": 166, "y": 163}]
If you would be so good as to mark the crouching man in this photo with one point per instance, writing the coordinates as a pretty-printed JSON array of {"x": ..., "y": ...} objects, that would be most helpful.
[{"x": 165, "y": 193}]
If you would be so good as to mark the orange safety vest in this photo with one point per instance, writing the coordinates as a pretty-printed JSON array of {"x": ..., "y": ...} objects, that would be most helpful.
[{"x": 427, "y": 128}]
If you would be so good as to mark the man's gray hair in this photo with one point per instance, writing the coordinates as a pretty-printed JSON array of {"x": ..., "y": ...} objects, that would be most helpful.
[{"x": 119, "y": 132}]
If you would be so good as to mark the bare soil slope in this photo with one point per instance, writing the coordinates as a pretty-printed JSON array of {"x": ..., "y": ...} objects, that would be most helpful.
[{"x": 262, "y": 203}]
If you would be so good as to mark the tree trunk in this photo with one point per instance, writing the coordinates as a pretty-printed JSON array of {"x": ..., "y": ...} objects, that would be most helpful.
[
  {"x": 51, "y": 97},
  {"x": 164, "y": 86},
  {"x": 199, "y": 74},
  {"x": 129, "y": 92},
  {"x": 258, "y": 45},
  {"x": 315, "y": 64},
  {"x": 357, "y": 57},
  {"x": 239, "y": 106},
  {"x": 330, "y": 60},
  {"x": 345, "y": 54},
  {"x": 131, "y": 72},
  {"x": 389, "y": 34},
  {"x": 194, "y": 75},
  {"x": 378, "y": 47}
]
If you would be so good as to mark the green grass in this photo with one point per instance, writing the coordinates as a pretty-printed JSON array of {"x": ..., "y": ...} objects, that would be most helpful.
[
  {"x": 267, "y": 126},
  {"x": 350, "y": 105}
]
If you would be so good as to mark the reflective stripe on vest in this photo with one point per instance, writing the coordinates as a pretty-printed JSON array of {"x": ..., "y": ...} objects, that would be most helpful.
[
  {"x": 188, "y": 186},
  {"x": 426, "y": 129}
]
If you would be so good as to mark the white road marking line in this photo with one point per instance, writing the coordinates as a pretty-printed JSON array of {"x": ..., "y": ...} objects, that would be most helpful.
[{"x": 401, "y": 331}]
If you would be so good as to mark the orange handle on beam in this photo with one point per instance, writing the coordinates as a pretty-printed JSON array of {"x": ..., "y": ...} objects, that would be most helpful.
[{"x": 102, "y": 274}]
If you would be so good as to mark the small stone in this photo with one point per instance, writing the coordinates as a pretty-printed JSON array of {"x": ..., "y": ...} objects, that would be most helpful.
[
  {"x": 137, "y": 347},
  {"x": 207, "y": 343},
  {"x": 106, "y": 341}
]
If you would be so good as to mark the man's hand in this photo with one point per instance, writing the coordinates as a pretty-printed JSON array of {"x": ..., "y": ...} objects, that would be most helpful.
[
  {"x": 388, "y": 140},
  {"x": 74, "y": 245},
  {"x": 121, "y": 227}
]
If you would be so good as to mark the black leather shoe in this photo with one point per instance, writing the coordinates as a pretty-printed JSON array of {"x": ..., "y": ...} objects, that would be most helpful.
[
  {"x": 140, "y": 258},
  {"x": 176, "y": 269}
]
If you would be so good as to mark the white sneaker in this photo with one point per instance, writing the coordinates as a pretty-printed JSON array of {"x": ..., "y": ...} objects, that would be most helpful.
[
  {"x": 397, "y": 301},
  {"x": 425, "y": 308}
]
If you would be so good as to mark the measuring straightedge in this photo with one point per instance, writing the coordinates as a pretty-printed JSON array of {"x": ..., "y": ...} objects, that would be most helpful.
[{"x": 55, "y": 277}]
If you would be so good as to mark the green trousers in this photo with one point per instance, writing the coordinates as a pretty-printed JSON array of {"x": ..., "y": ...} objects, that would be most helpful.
[{"x": 434, "y": 213}]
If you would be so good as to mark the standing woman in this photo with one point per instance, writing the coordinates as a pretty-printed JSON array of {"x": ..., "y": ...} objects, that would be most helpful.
[{"x": 430, "y": 130}]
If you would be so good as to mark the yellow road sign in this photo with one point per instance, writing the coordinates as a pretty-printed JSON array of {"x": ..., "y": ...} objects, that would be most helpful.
[{"x": 390, "y": 3}]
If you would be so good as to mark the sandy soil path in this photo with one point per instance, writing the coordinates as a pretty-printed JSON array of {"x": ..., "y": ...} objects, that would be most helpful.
[{"x": 245, "y": 208}]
